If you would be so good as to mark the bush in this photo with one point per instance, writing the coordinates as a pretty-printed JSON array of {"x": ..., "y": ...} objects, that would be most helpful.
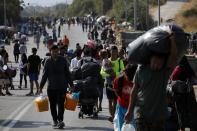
[{"x": 189, "y": 13}]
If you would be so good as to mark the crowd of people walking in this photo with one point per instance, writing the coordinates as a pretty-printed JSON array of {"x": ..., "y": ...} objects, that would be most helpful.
[{"x": 136, "y": 93}]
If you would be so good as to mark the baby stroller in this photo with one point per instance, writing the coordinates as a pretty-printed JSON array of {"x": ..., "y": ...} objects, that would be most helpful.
[{"x": 88, "y": 97}]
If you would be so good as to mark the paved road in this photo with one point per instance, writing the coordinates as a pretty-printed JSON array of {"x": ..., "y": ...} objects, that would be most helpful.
[
  {"x": 169, "y": 10},
  {"x": 17, "y": 112}
]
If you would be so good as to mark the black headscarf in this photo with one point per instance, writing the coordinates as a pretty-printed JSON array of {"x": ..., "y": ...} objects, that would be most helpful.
[{"x": 186, "y": 66}]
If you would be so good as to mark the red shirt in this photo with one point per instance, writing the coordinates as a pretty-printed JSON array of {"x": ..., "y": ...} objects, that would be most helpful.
[
  {"x": 179, "y": 73},
  {"x": 126, "y": 90},
  {"x": 66, "y": 41}
]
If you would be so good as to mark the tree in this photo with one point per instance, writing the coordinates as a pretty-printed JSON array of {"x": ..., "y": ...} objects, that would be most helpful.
[{"x": 13, "y": 9}]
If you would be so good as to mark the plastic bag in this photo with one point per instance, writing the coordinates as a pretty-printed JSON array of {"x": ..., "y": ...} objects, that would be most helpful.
[
  {"x": 127, "y": 127},
  {"x": 70, "y": 103},
  {"x": 116, "y": 125},
  {"x": 41, "y": 103},
  {"x": 157, "y": 40},
  {"x": 75, "y": 96}
]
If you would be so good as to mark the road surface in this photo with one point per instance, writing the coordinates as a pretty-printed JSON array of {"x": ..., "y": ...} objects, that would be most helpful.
[{"x": 17, "y": 112}]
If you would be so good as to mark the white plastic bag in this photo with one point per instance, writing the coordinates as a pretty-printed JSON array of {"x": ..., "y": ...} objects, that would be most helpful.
[
  {"x": 127, "y": 127},
  {"x": 116, "y": 125}
]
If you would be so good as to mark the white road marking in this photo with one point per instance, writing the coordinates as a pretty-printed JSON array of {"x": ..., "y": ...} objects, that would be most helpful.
[
  {"x": 17, "y": 118},
  {"x": 15, "y": 112}
]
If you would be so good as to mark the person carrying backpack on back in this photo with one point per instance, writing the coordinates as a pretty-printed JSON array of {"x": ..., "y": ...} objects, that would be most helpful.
[{"x": 122, "y": 86}]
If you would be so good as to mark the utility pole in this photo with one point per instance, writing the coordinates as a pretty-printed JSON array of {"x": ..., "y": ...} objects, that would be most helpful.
[
  {"x": 102, "y": 13},
  {"x": 159, "y": 15},
  {"x": 135, "y": 14},
  {"x": 125, "y": 6},
  {"x": 147, "y": 14},
  {"x": 5, "y": 22},
  {"x": 34, "y": 12},
  {"x": 66, "y": 8}
]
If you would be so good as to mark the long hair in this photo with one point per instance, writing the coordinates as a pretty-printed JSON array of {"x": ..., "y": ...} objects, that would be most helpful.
[{"x": 130, "y": 71}]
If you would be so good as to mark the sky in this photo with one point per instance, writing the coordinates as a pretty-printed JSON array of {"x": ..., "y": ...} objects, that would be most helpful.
[{"x": 45, "y": 2}]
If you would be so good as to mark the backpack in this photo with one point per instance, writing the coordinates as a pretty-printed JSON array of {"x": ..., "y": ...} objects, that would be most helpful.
[
  {"x": 76, "y": 73},
  {"x": 90, "y": 68}
]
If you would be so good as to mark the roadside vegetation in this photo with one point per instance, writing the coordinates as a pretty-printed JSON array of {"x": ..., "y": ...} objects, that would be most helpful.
[{"x": 188, "y": 16}]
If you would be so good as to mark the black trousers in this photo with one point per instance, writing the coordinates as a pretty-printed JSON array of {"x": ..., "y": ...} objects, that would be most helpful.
[
  {"x": 56, "y": 100},
  {"x": 21, "y": 79},
  {"x": 16, "y": 57},
  {"x": 141, "y": 125}
]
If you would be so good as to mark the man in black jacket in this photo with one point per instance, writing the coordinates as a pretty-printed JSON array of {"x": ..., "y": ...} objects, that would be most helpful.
[{"x": 57, "y": 73}]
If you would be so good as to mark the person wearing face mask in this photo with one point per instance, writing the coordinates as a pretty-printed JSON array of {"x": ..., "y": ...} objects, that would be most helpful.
[{"x": 56, "y": 71}]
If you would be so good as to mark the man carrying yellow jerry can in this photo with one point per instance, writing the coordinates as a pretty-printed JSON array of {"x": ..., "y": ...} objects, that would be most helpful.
[{"x": 57, "y": 73}]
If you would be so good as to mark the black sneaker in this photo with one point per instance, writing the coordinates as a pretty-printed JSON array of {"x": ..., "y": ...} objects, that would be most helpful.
[
  {"x": 8, "y": 93},
  {"x": 54, "y": 124},
  {"x": 61, "y": 125},
  {"x": 30, "y": 94},
  {"x": 100, "y": 108}
]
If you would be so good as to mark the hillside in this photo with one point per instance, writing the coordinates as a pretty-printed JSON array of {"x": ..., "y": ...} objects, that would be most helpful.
[{"x": 188, "y": 16}]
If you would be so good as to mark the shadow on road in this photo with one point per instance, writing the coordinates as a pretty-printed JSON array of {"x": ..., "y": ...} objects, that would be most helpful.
[
  {"x": 88, "y": 128},
  {"x": 26, "y": 124}
]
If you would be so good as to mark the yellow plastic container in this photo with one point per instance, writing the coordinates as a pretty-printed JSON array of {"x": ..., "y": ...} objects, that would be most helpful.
[
  {"x": 70, "y": 104},
  {"x": 41, "y": 104}
]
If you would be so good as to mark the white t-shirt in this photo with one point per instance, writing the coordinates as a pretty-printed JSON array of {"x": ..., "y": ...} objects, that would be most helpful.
[
  {"x": 23, "y": 49},
  {"x": 73, "y": 63}
]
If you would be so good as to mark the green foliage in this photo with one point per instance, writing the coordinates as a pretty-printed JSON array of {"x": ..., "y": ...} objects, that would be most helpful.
[
  {"x": 120, "y": 9},
  {"x": 82, "y": 7},
  {"x": 13, "y": 8},
  {"x": 189, "y": 13}
]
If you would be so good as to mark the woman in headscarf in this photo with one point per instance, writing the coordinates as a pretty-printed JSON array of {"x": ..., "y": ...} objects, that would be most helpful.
[{"x": 184, "y": 99}]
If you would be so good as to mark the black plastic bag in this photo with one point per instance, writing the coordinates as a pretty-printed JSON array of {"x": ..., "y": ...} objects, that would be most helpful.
[{"x": 157, "y": 40}]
